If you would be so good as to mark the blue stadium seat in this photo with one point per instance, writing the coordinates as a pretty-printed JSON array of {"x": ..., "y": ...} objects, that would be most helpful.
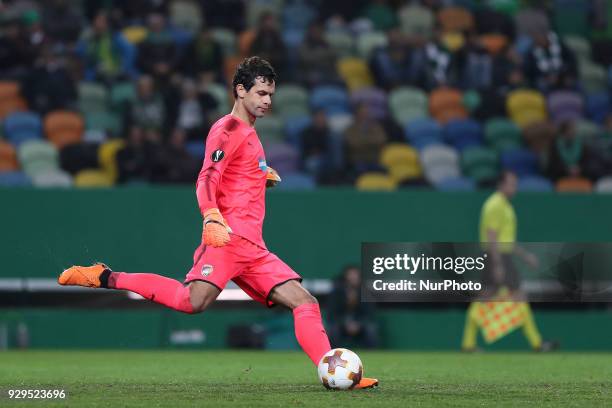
[
  {"x": 14, "y": 179},
  {"x": 456, "y": 184},
  {"x": 598, "y": 106},
  {"x": 522, "y": 161},
  {"x": 423, "y": 132},
  {"x": 535, "y": 184},
  {"x": 22, "y": 126},
  {"x": 297, "y": 181},
  {"x": 463, "y": 133},
  {"x": 332, "y": 99},
  {"x": 294, "y": 128}
]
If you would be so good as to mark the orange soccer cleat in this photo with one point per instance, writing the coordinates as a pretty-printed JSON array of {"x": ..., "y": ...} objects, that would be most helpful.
[
  {"x": 367, "y": 383},
  {"x": 88, "y": 276}
]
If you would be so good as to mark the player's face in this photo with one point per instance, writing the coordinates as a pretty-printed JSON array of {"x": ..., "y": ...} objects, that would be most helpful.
[
  {"x": 510, "y": 185},
  {"x": 259, "y": 98}
]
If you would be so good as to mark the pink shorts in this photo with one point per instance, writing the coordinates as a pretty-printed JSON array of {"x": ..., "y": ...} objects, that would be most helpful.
[{"x": 254, "y": 269}]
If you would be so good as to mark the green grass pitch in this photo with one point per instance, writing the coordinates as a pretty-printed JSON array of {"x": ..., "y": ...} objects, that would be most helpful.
[{"x": 280, "y": 379}]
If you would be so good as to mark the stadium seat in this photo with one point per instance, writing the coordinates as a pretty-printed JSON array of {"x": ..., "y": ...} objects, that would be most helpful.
[
  {"x": 8, "y": 157},
  {"x": 415, "y": 20},
  {"x": 9, "y": 90},
  {"x": 283, "y": 157},
  {"x": 593, "y": 77},
  {"x": 571, "y": 17},
  {"x": 463, "y": 133},
  {"x": 394, "y": 154},
  {"x": 502, "y": 134},
  {"x": 38, "y": 156},
  {"x": 440, "y": 162},
  {"x": 298, "y": 15},
  {"x": 186, "y": 15},
  {"x": 407, "y": 104},
  {"x": 22, "y": 126},
  {"x": 480, "y": 164},
  {"x": 604, "y": 185},
  {"x": 270, "y": 129},
  {"x": 52, "y": 179},
  {"x": 423, "y": 132},
  {"x": 355, "y": 73},
  {"x": 598, "y": 106},
  {"x": 226, "y": 39},
  {"x": 402, "y": 173},
  {"x": 339, "y": 122},
  {"x": 10, "y": 99},
  {"x": 294, "y": 128},
  {"x": 526, "y": 106},
  {"x": 14, "y": 179},
  {"x": 587, "y": 130},
  {"x": 535, "y": 184},
  {"x": 494, "y": 43},
  {"x": 296, "y": 181},
  {"x": 104, "y": 121},
  {"x": 290, "y": 100},
  {"x": 574, "y": 185},
  {"x": 374, "y": 98},
  {"x": 332, "y": 99},
  {"x": 121, "y": 94},
  {"x": 135, "y": 34},
  {"x": 229, "y": 67},
  {"x": 368, "y": 42},
  {"x": 375, "y": 182},
  {"x": 93, "y": 179},
  {"x": 539, "y": 135},
  {"x": 446, "y": 104},
  {"x": 456, "y": 184},
  {"x": 580, "y": 46},
  {"x": 221, "y": 94},
  {"x": 565, "y": 105},
  {"x": 63, "y": 127},
  {"x": 92, "y": 97},
  {"x": 107, "y": 156},
  {"x": 523, "y": 162},
  {"x": 455, "y": 19},
  {"x": 341, "y": 42}
]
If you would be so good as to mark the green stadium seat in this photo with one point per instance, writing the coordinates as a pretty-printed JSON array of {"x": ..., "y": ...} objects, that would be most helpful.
[
  {"x": 92, "y": 97},
  {"x": 342, "y": 42},
  {"x": 121, "y": 94},
  {"x": 104, "y": 121},
  {"x": 502, "y": 134},
  {"x": 480, "y": 163},
  {"x": 369, "y": 41},
  {"x": 270, "y": 129},
  {"x": 407, "y": 104},
  {"x": 38, "y": 156},
  {"x": 227, "y": 39},
  {"x": 291, "y": 100}
]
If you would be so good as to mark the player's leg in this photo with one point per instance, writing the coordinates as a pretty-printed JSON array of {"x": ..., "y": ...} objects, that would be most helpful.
[
  {"x": 193, "y": 298},
  {"x": 470, "y": 331}
]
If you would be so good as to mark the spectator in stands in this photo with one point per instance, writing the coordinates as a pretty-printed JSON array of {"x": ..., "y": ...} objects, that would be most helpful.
[
  {"x": 191, "y": 116},
  {"x": 316, "y": 59},
  {"x": 172, "y": 163},
  {"x": 316, "y": 145},
  {"x": 204, "y": 54},
  {"x": 568, "y": 154},
  {"x": 441, "y": 67},
  {"x": 268, "y": 43},
  {"x": 49, "y": 85},
  {"x": 393, "y": 64},
  {"x": 17, "y": 54},
  {"x": 353, "y": 320},
  {"x": 136, "y": 160},
  {"x": 157, "y": 54},
  {"x": 61, "y": 22},
  {"x": 147, "y": 111},
  {"x": 106, "y": 54},
  {"x": 363, "y": 140},
  {"x": 549, "y": 64}
]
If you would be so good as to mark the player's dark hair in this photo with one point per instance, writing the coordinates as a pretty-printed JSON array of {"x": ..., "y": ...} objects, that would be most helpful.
[
  {"x": 503, "y": 176},
  {"x": 249, "y": 70}
]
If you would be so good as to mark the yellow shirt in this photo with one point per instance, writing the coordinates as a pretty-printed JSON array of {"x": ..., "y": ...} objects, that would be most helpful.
[{"x": 498, "y": 215}]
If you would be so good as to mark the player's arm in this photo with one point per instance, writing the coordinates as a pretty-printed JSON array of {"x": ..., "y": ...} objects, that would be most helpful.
[
  {"x": 219, "y": 151},
  {"x": 528, "y": 257}
]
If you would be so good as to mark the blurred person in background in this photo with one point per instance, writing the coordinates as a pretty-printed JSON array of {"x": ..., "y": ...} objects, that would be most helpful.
[
  {"x": 268, "y": 43},
  {"x": 106, "y": 54},
  {"x": 568, "y": 154},
  {"x": 17, "y": 54},
  {"x": 363, "y": 140},
  {"x": 353, "y": 319},
  {"x": 61, "y": 22},
  {"x": 316, "y": 145},
  {"x": 550, "y": 64},
  {"x": 316, "y": 59},
  {"x": 204, "y": 55},
  {"x": 158, "y": 54},
  {"x": 147, "y": 110},
  {"x": 501, "y": 279}
]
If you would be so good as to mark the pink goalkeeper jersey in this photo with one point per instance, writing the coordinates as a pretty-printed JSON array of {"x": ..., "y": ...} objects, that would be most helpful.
[{"x": 233, "y": 177}]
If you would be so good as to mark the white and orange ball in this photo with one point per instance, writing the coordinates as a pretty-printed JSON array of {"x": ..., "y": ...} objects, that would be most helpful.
[{"x": 340, "y": 369}]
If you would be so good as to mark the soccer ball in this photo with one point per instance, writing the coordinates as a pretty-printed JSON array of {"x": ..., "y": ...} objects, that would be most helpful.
[{"x": 340, "y": 369}]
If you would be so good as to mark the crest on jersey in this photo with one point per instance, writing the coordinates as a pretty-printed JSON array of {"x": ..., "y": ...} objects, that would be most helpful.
[
  {"x": 207, "y": 270},
  {"x": 217, "y": 155},
  {"x": 263, "y": 166}
]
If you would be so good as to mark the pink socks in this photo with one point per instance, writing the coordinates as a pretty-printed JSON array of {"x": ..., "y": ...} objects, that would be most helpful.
[
  {"x": 168, "y": 292},
  {"x": 309, "y": 331}
]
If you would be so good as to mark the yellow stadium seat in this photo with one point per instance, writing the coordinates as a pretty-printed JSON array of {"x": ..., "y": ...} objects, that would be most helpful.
[
  {"x": 405, "y": 172},
  {"x": 398, "y": 154},
  {"x": 375, "y": 182},
  {"x": 355, "y": 73},
  {"x": 135, "y": 34},
  {"x": 107, "y": 157},
  {"x": 92, "y": 179},
  {"x": 526, "y": 106}
]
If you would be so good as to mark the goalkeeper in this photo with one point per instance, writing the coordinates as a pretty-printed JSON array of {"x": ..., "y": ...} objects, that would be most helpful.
[{"x": 231, "y": 195}]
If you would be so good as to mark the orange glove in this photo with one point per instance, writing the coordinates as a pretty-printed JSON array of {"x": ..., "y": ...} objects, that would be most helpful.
[
  {"x": 272, "y": 177},
  {"x": 216, "y": 231}
]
